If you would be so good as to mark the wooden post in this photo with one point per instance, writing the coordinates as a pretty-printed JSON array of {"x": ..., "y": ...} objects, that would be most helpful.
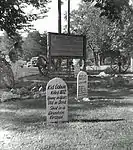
[
  {"x": 59, "y": 16},
  {"x": 131, "y": 66},
  {"x": 48, "y": 51},
  {"x": 84, "y": 52},
  {"x": 68, "y": 17},
  {"x": 59, "y": 24},
  {"x": 68, "y": 30}
]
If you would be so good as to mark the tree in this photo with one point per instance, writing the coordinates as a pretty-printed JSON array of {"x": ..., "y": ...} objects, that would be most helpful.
[
  {"x": 86, "y": 21},
  {"x": 120, "y": 13},
  {"x": 34, "y": 44},
  {"x": 13, "y": 17},
  {"x": 112, "y": 9},
  {"x": 7, "y": 43}
]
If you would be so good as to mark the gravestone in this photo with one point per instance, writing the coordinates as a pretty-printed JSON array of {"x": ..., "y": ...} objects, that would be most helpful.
[
  {"x": 82, "y": 85},
  {"x": 131, "y": 66},
  {"x": 56, "y": 101}
]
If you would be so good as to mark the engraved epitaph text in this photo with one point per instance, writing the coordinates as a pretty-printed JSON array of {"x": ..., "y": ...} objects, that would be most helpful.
[
  {"x": 82, "y": 85},
  {"x": 56, "y": 101}
]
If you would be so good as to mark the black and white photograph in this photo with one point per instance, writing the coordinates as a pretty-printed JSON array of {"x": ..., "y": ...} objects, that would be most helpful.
[{"x": 66, "y": 74}]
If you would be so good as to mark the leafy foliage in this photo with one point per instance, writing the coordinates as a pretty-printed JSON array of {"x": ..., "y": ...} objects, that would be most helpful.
[
  {"x": 86, "y": 21},
  {"x": 103, "y": 35},
  {"x": 7, "y": 43},
  {"x": 34, "y": 44},
  {"x": 112, "y": 9},
  {"x": 13, "y": 17}
]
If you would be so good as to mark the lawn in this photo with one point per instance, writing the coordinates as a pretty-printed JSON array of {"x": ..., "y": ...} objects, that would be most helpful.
[{"x": 103, "y": 123}]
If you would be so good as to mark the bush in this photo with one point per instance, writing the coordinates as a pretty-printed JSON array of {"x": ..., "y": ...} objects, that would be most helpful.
[{"x": 108, "y": 70}]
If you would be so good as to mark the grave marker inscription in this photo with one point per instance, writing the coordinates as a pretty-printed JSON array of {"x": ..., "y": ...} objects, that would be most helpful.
[
  {"x": 56, "y": 101},
  {"x": 82, "y": 85}
]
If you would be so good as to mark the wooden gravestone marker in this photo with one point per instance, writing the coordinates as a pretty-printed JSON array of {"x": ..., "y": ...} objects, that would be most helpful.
[
  {"x": 82, "y": 85},
  {"x": 56, "y": 101}
]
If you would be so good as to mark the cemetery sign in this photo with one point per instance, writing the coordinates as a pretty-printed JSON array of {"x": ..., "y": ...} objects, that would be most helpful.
[{"x": 66, "y": 45}]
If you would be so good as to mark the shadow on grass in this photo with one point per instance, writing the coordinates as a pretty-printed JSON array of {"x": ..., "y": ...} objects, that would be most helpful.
[
  {"x": 100, "y": 98},
  {"x": 21, "y": 123},
  {"x": 110, "y": 93},
  {"x": 25, "y": 104},
  {"x": 96, "y": 120},
  {"x": 93, "y": 104},
  {"x": 34, "y": 111},
  {"x": 31, "y": 119},
  {"x": 99, "y": 103}
]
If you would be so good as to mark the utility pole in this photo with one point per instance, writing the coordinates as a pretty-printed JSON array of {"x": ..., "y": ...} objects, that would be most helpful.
[
  {"x": 59, "y": 24},
  {"x": 59, "y": 16},
  {"x": 68, "y": 30},
  {"x": 68, "y": 18}
]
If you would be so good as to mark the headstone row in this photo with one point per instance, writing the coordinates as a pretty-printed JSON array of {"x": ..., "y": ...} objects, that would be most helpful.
[{"x": 57, "y": 97}]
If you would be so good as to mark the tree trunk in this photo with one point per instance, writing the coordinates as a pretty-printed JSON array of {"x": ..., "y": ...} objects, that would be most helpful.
[{"x": 96, "y": 58}]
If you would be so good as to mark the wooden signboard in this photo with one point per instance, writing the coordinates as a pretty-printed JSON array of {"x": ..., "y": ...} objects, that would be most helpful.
[
  {"x": 56, "y": 101},
  {"x": 66, "y": 45}
]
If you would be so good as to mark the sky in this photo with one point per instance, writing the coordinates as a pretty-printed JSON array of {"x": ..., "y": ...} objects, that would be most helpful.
[{"x": 50, "y": 23}]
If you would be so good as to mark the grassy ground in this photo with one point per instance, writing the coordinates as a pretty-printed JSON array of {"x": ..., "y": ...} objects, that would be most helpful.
[{"x": 104, "y": 123}]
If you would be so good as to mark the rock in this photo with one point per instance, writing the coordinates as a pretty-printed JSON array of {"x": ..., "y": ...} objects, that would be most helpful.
[
  {"x": 103, "y": 74},
  {"x": 14, "y": 91},
  {"x": 8, "y": 96},
  {"x": 86, "y": 99},
  {"x": 25, "y": 97}
]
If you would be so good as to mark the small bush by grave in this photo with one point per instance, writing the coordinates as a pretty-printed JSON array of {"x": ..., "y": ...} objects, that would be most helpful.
[{"x": 108, "y": 70}]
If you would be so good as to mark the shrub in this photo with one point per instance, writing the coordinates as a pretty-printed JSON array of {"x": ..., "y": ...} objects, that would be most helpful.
[{"x": 108, "y": 70}]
